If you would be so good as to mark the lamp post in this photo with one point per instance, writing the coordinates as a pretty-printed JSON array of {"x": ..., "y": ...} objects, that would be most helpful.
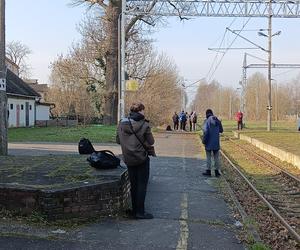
[
  {"x": 183, "y": 87},
  {"x": 275, "y": 87},
  {"x": 3, "y": 96},
  {"x": 269, "y": 36},
  {"x": 121, "y": 61}
]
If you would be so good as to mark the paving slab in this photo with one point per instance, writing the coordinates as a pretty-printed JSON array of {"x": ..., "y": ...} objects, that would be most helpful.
[
  {"x": 189, "y": 213},
  {"x": 203, "y": 236}
]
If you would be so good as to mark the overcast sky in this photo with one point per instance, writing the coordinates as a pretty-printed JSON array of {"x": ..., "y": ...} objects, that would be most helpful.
[{"x": 48, "y": 27}]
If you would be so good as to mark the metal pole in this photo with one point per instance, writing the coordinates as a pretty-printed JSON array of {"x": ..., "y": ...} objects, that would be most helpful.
[
  {"x": 3, "y": 96},
  {"x": 269, "y": 107},
  {"x": 244, "y": 85},
  {"x": 123, "y": 83},
  {"x": 119, "y": 67}
]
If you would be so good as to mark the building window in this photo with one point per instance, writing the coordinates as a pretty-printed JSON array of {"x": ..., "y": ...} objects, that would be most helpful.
[
  {"x": 30, "y": 107},
  {"x": 11, "y": 106},
  {"x": 22, "y": 106}
]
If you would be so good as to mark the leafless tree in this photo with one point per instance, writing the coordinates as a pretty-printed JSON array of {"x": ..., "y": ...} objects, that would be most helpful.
[
  {"x": 109, "y": 12},
  {"x": 18, "y": 52},
  {"x": 77, "y": 84},
  {"x": 160, "y": 91}
]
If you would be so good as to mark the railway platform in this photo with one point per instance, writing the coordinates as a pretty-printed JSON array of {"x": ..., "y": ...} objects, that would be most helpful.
[{"x": 189, "y": 212}]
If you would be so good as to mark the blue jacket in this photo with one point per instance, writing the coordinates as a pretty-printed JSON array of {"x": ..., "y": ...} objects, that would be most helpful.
[
  {"x": 182, "y": 117},
  {"x": 211, "y": 129}
]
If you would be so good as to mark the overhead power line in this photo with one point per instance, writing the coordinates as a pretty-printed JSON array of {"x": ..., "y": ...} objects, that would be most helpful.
[{"x": 237, "y": 35}]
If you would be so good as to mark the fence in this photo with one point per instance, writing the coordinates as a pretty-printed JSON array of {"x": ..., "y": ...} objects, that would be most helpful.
[{"x": 56, "y": 123}]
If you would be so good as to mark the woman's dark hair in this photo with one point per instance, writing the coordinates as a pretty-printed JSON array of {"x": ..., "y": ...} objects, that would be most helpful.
[{"x": 137, "y": 107}]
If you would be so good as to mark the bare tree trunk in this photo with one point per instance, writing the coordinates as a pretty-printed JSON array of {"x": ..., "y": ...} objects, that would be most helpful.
[{"x": 111, "y": 93}]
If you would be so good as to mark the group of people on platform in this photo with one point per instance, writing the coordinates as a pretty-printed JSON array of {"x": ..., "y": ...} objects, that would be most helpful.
[
  {"x": 137, "y": 144},
  {"x": 180, "y": 121}
]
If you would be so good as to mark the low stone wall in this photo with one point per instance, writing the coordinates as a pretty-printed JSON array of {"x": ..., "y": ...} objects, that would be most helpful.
[
  {"x": 56, "y": 123},
  {"x": 102, "y": 198},
  {"x": 279, "y": 153}
]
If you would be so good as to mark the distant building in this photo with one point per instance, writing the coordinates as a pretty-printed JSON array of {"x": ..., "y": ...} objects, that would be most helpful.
[
  {"x": 24, "y": 106},
  {"x": 42, "y": 89},
  {"x": 12, "y": 66}
]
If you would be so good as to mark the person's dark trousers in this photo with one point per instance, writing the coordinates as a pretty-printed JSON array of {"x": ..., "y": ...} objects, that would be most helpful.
[
  {"x": 190, "y": 126},
  {"x": 240, "y": 125},
  {"x": 138, "y": 176},
  {"x": 175, "y": 125},
  {"x": 194, "y": 126},
  {"x": 181, "y": 125}
]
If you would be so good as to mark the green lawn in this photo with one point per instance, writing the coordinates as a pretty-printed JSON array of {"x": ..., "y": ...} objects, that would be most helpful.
[
  {"x": 96, "y": 133},
  {"x": 284, "y": 134}
]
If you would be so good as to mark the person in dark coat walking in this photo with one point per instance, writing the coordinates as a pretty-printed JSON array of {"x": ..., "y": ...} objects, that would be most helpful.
[
  {"x": 194, "y": 120},
  {"x": 191, "y": 120},
  {"x": 211, "y": 139},
  {"x": 136, "y": 139},
  {"x": 175, "y": 119}
]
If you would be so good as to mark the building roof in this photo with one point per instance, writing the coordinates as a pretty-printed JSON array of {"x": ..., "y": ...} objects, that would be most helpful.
[
  {"x": 39, "y": 87},
  {"x": 16, "y": 86}
]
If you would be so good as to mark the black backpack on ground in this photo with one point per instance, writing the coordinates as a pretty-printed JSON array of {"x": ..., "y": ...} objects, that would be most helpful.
[
  {"x": 168, "y": 128},
  {"x": 85, "y": 147},
  {"x": 103, "y": 159}
]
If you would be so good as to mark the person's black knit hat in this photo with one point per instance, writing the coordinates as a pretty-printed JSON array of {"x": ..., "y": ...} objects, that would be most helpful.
[{"x": 209, "y": 113}]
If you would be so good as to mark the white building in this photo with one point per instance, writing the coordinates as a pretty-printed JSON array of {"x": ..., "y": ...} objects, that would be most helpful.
[{"x": 24, "y": 107}]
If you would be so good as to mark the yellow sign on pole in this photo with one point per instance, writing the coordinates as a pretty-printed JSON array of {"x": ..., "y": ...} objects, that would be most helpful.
[{"x": 132, "y": 85}]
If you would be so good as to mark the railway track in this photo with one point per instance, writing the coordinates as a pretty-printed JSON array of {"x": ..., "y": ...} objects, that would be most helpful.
[
  {"x": 284, "y": 200},
  {"x": 267, "y": 161}
]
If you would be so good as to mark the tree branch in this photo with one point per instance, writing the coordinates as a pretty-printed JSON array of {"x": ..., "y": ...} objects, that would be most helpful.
[
  {"x": 91, "y": 2},
  {"x": 137, "y": 18},
  {"x": 179, "y": 14}
]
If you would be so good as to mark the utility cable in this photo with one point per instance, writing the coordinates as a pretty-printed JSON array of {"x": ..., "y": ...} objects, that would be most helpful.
[
  {"x": 217, "y": 54},
  {"x": 256, "y": 57},
  {"x": 285, "y": 72},
  {"x": 211, "y": 76}
]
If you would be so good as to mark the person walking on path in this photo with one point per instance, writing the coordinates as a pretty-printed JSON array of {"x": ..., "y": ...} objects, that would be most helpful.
[
  {"x": 136, "y": 139},
  {"x": 182, "y": 120},
  {"x": 211, "y": 139},
  {"x": 194, "y": 120},
  {"x": 239, "y": 119},
  {"x": 190, "y": 121},
  {"x": 299, "y": 122},
  {"x": 175, "y": 121}
]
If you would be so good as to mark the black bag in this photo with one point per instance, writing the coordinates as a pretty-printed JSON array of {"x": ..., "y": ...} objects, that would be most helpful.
[
  {"x": 85, "y": 147},
  {"x": 103, "y": 159}
]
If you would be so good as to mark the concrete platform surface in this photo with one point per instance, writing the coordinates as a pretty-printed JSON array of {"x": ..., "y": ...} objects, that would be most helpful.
[{"x": 188, "y": 211}]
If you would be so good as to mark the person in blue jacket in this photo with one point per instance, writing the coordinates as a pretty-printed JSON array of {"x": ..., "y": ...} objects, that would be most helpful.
[{"x": 212, "y": 128}]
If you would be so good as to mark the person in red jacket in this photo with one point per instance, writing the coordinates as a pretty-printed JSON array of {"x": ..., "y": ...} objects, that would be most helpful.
[{"x": 239, "y": 119}]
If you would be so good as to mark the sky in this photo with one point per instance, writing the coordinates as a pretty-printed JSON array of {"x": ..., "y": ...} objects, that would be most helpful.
[{"x": 49, "y": 29}]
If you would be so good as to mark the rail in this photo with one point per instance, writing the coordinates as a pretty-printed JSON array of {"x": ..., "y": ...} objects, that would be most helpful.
[{"x": 295, "y": 235}]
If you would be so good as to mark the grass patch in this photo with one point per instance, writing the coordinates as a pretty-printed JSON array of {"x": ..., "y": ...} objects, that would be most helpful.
[
  {"x": 284, "y": 134},
  {"x": 95, "y": 133},
  {"x": 257, "y": 172},
  {"x": 259, "y": 246}
]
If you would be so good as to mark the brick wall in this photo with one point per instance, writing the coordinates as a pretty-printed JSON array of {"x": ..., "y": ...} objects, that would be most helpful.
[{"x": 101, "y": 199}]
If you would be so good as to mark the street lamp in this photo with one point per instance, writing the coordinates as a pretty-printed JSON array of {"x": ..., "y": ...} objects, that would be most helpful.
[
  {"x": 269, "y": 36},
  {"x": 276, "y": 99}
]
